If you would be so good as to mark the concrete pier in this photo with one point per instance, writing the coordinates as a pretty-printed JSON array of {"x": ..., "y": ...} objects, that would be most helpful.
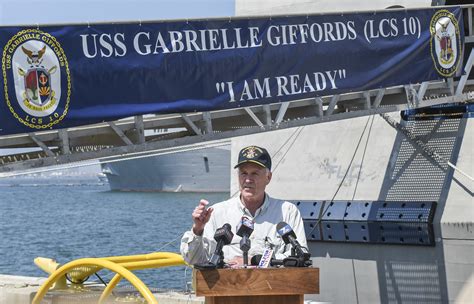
[{"x": 22, "y": 290}]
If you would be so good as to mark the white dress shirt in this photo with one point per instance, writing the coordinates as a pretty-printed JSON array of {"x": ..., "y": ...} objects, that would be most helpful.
[{"x": 198, "y": 249}]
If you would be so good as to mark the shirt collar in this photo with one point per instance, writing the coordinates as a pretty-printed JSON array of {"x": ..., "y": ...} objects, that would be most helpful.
[{"x": 259, "y": 211}]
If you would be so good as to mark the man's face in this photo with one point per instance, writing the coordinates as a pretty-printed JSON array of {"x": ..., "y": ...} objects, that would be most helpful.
[{"x": 253, "y": 179}]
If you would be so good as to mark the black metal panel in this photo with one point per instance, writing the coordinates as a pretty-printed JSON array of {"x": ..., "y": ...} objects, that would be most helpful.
[
  {"x": 312, "y": 233},
  {"x": 402, "y": 233},
  {"x": 357, "y": 232},
  {"x": 334, "y": 211},
  {"x": 407, "y": 223},
  {"x": 333, "y": 231},
  {"x": 309, "y": 209},
  {"x": 357, "y": 211},
  {"x": 402, "y": 212}
]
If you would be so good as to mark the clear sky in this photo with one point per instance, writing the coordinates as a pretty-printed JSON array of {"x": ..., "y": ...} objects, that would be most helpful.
[{"x": 14, "y": 12}]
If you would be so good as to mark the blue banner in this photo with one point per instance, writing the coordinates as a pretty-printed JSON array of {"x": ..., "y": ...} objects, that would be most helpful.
[{"x": 63, "y": 76}]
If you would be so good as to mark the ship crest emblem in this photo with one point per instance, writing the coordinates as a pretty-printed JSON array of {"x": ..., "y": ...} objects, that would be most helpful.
[
  {"x": 445, "y": 43},
  {"x": 36, "y": 79}
]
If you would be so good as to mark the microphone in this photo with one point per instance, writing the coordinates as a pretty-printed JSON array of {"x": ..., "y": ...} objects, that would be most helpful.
[
  {"x": 286, "y": 262},
  {"x": 223, "y": 236},
  {"x": 289, "y": 236},
  {"x": 244, "y": 230},
  {"x": 255, "y": 261}
]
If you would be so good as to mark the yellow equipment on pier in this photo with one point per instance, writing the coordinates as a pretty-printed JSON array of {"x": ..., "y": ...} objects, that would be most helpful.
[{"x": 79, "y": 270}]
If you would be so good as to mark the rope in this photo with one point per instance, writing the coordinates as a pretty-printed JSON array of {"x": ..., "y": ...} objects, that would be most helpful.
[
  {"x": 429, "y": 151},
  {"x": 363, "y": 157},
  {"x": 342, "y": 181},
  {"x": 300, "y": 129}
]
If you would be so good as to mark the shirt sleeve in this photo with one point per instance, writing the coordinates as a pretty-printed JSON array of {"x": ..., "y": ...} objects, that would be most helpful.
[{"x": 197, "y": 249}]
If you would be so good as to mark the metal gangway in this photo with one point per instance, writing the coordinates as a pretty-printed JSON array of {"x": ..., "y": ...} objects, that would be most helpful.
[{"x": 136, "y": 137}]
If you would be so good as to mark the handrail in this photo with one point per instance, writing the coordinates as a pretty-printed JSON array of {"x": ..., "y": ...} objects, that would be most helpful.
[{"x": 121, "y": 265}]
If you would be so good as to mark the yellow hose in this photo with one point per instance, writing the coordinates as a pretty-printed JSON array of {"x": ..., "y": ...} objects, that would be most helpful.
[{"x": 121, "y": 265}]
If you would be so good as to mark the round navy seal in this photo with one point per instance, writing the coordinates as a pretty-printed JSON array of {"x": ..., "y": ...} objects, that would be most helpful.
[
  {"x": 445, "y": 42},
  {"x": 36, "y": 77}
]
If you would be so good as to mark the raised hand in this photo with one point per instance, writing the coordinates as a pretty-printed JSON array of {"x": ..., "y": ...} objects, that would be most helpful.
[{"x": 201, "y": 216}]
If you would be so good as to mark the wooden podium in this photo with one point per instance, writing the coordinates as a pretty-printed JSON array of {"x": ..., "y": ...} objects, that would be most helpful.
[{"x": 256, "y": 285}]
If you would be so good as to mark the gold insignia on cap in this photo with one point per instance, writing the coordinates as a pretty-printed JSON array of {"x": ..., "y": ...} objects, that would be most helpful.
[{"x": 251, "y": 152}]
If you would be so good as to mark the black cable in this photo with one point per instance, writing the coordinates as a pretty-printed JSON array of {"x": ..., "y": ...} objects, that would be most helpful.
[
  {"x": 75, "y": 282},
  {"x": 363, "y": 157},
  {"x": 289, "y": 148},
  {"x": 103, "y": 282},
  {"x": 281, "y": 147},
  {"x": 100, "y": 279},
  {"x": 342, "y": 181}
]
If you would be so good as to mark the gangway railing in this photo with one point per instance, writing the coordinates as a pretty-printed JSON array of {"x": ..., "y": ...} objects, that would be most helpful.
[{"x": 137, "y": 136}]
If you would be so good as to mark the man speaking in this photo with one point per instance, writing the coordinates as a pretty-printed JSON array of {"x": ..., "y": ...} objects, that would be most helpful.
[{"x": 253, "y": 217}]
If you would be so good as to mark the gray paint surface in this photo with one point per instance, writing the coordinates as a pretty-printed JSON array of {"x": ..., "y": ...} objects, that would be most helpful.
[
  {"x": 202, "y": 170},
  {"x": 310, "y": 163}
]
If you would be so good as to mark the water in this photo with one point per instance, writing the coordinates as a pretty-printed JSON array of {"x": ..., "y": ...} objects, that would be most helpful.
[{"x": 70, "y": 221}]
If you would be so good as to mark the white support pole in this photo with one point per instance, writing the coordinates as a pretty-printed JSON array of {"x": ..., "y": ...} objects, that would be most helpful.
[
  {"x": 208, "y": 121},
  {"x": 281, "y": 112},
  {"x": 140, "y": 129},
  {"x": 332, "y": 105},
  {"x": 467, "y": 70},
  {"x": 268, "y": 114},
  {"x": 422, "y": 90},
  {"x": 191, "y": 124},
  {"x": 64, "y": 138},
  {"x": 41, "y": 144},
  {"x": 319, "y": 107},
  {"x": 254, "y": 117},
  {"x": 120, "y": 133},
  {"x": 378, "y": 98},
  {"x": 367, "y": 100}
]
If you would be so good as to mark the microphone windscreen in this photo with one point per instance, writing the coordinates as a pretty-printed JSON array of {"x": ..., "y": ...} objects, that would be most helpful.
[
  {"x": 281, "y": 225},
  {"x": 255, "y": 260},
  {"x": 224, "y": 234},
  {"x": 245, "y": 226}
]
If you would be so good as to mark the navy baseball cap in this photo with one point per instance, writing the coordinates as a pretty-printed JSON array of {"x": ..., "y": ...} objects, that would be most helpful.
[{"x": 256, "y": 155}]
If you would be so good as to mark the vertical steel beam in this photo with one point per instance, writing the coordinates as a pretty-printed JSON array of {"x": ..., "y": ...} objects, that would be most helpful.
[
  {"x": 139, "y": 127},
  {"x": 64, "y": 141},
  {"x": 268, "y": 115},
  {"x": 467, "y": 70},
  {"x": 450, "y": 85},
  {"x": 319, "y": 107},
  {"x": 470, "y": 16},
  {"x": 207, "y": 121},
  {"x": 367, "y": 103}
]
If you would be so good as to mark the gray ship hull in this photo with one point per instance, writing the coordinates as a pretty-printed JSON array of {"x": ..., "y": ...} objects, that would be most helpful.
[
  {"x": 203, "y": 170},
  {"x": 391, "y": 169}
]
